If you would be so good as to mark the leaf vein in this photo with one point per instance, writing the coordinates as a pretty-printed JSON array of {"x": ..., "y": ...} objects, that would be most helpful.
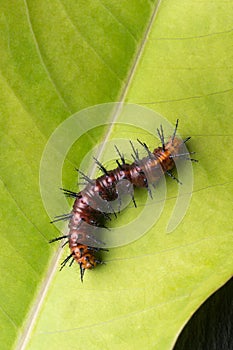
[
  {"x": 41, "y": 57},
  {"x": 89, "y": 44},
  {"x": 186, "y": 98}
]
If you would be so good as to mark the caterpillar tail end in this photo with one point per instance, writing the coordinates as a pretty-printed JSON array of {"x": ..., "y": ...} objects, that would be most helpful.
[{"x": 87, "y": 262}]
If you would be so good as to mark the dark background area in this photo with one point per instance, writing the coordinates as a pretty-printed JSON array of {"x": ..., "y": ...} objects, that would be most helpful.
[{"x": 211, "y": 327}]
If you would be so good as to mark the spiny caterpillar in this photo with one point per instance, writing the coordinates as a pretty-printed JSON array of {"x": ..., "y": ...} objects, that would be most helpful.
[{"x": 88, "y": 210}]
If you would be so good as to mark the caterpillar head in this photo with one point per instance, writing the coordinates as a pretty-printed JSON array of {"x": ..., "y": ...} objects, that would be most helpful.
[{"x": 87, "y": 262}]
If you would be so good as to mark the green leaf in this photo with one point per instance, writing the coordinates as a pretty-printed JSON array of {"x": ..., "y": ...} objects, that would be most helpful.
[{"x": 58, "y": 58}]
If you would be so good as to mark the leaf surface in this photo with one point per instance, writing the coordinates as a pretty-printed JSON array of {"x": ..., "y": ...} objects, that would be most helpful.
[{"x": 58, "y": 58}]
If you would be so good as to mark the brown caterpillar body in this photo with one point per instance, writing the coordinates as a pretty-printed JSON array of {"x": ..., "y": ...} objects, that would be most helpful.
[{"x": 93, "y": 203}]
